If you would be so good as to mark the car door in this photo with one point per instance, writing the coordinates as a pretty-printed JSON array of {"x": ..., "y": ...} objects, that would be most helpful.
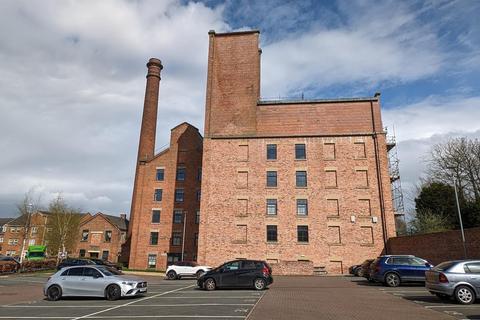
[
  {"x": 71, "y": 282},
  {"x": 247, "y": 273},
  {"x": 472, "y": 273},
  {"x": 188, "y": 268},
  {"x": 403, "y": 267},
  {"x": 92, "y": 283},
  {"x": 418, "y": 268},
  {"x": 228, "y": 275}
]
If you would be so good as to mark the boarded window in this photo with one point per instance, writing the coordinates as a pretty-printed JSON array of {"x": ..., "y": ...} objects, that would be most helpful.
[
  {"x": 361, "y": 178},
  {"x": 364, "y": 207},
  {"x": 241, "y": 233},
  {"x": 334, "y": 234},
  {"x": 331, "y": 178},
  {"x": 360, "y": 152},
  {"x": 243, "y": 152},
  {"x": 329, "y": 152},
  {"x": 242, "y": 207},
  {"x": 335, "y": 267},
  {"x": 367, "y": 235},
  {"x": 332, "y": 207},
  {"x": 242, "y": 180}
]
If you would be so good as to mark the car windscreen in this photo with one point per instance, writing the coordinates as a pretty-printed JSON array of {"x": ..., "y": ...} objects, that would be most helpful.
[
  {"x": 445, "y": 265},
  {"x": 109, "y": 271},
  {"x": 36, "y": 254}
]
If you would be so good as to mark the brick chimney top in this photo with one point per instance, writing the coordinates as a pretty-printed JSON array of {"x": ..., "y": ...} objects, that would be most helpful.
[{"x": 154, "y": 66}]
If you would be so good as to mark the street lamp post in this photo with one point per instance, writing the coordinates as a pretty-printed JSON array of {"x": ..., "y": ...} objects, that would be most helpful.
[{"x": 459, "y": 214}]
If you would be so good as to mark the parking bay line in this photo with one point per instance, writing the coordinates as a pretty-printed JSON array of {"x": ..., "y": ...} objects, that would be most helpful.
[
  {"x": 453, "y": 306},
  {"x": 135, "y": 305},
  {"x": 129, "y": 303}
]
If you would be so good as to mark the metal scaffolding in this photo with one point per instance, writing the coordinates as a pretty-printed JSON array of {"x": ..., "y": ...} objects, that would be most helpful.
[{"x": 396, "y": 185}]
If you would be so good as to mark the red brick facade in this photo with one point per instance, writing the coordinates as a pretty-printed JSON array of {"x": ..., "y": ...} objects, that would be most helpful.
[
  {"x": 156, "y": 233},
  {"x": 12, "y": 239},
  {"x": 101, "y": 236},
  {"x": 350, "y": 213}
]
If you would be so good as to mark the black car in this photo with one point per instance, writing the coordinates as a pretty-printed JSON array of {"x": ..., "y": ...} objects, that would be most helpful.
[
  {"x": 106, "y": 263},
  {"x": 74, "y": 262},
  {"x": 238, "y": 274}
]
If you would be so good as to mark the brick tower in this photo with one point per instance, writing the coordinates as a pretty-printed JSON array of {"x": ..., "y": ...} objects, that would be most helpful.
[{"x": 166, "y": 195}]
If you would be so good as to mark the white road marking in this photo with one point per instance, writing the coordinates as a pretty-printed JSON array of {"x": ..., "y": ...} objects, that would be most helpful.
[
  {"x": 22, "y": 280},
  {"x": 256, "y": 303},
  {"x": 170, "y": 316},
  {"x": 129, "y": 303},
  {"x": 135, "y": 305},
  {"x": 212, "y": 297},
  {"x": 454, "y": 306}
]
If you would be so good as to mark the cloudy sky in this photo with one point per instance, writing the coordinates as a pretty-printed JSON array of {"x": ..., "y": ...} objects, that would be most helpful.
[{"x": 72, "y": 77}]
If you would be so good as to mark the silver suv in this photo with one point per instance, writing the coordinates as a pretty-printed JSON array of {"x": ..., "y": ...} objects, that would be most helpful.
[{"x": 92, "y": 281}]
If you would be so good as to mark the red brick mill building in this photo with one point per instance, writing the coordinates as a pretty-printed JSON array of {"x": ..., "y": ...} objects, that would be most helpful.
[{"x": 298, "y": 183}]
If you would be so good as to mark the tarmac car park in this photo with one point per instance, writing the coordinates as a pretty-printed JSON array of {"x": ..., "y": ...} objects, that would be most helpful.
[{"x": 294, "y": 297}]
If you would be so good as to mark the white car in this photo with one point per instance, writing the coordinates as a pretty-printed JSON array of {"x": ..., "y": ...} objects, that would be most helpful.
[{"x": 185, "y": 269}]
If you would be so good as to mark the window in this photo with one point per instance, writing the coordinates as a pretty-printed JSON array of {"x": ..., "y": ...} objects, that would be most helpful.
[
  {"x": 302, "y": 233},
  {"x": 179, "y": 195},
  {"x": 153, "y": 238},
  {"x": 301, "y": 179},
  {"x": 234, "y": 265},
  {"x": 82, "y": 253},
  {"x": 31, "y": 242},
  {"x": 271, "y": 206},
  {"x": 332, "y": 207},
  {"x": 272, "y": 233},
  {"x": 76, "y": 272},
  {"x": 271, "y": 178},
  {"x": 158, "y": 195},
  {"x": 91, "y": 272},
  {"x": 177, "y": 216},
  {"x": 271, "y": 152},
  {"x": 108, "y": 236},
  {"x": 152, "y": 260},
  {"x": 195, "y": 239},
  {"x": 160, "y": 174},
  {"x": 34, "y": 230},
  {"x": 199, "y": 195},
  {"x": 197, "y": 217},
  {"x": 199, "y": 174},
  {"x": 180, "y": 174},
  {"x": 155, "y": 216},
  {"x": 472, "y": 268},
  {"x": 13, "y": 242},
  {"x": 300, "y": 152},
  {"x": 329, "y": 152},
  {"x": 176, "y": 238},
  {"x": 84, "y": 235},
  {"x": 1, "y": 239},
  {"x": 302, "y": 207}
]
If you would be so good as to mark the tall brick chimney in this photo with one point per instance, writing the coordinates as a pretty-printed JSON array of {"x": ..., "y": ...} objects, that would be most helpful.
[{"x": 146, "y": 147}]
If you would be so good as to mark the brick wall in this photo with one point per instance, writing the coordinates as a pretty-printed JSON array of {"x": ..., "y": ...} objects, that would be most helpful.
[
  {"x": 438, "y": 247},
  {"x": 285, "y": 268}
]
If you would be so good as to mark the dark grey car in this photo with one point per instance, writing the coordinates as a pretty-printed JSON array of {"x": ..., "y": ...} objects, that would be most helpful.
[{"x": 459, "y": 279}]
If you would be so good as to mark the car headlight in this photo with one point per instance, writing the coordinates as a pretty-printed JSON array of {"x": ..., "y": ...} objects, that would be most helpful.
[{"x": 129, "y": 283}]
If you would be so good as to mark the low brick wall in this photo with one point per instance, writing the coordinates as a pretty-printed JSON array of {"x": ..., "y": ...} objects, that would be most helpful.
[
  {"x": 299, "y": 268},
  {"x": 438, "y": 247}
]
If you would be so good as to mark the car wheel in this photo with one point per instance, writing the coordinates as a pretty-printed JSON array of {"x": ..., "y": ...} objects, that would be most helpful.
[
  {"x": 200, "y": 273},
  {"x": 113, "y": 292},
  {"x": 171, "y": 275},
  {"x": 210, "y": 284},
  {"x": 392, "y": 279},
  {"x": 54, "y": 293},
  {"x": 259, "y": 284},
  {"x": 464, "y": 295}
]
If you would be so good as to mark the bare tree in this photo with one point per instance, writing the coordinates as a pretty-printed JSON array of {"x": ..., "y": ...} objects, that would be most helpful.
[
  {"x": 28, "y": 206},
  {"x": 457, "y": 158},
  {"x": 63, "y": 224}
]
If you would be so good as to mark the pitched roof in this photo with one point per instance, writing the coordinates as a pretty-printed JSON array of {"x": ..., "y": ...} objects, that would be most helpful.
[
  {"x": 21, "y": 220},
  {"x": 5, "y": 220},
  {"x": 121, "y": 223}
]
